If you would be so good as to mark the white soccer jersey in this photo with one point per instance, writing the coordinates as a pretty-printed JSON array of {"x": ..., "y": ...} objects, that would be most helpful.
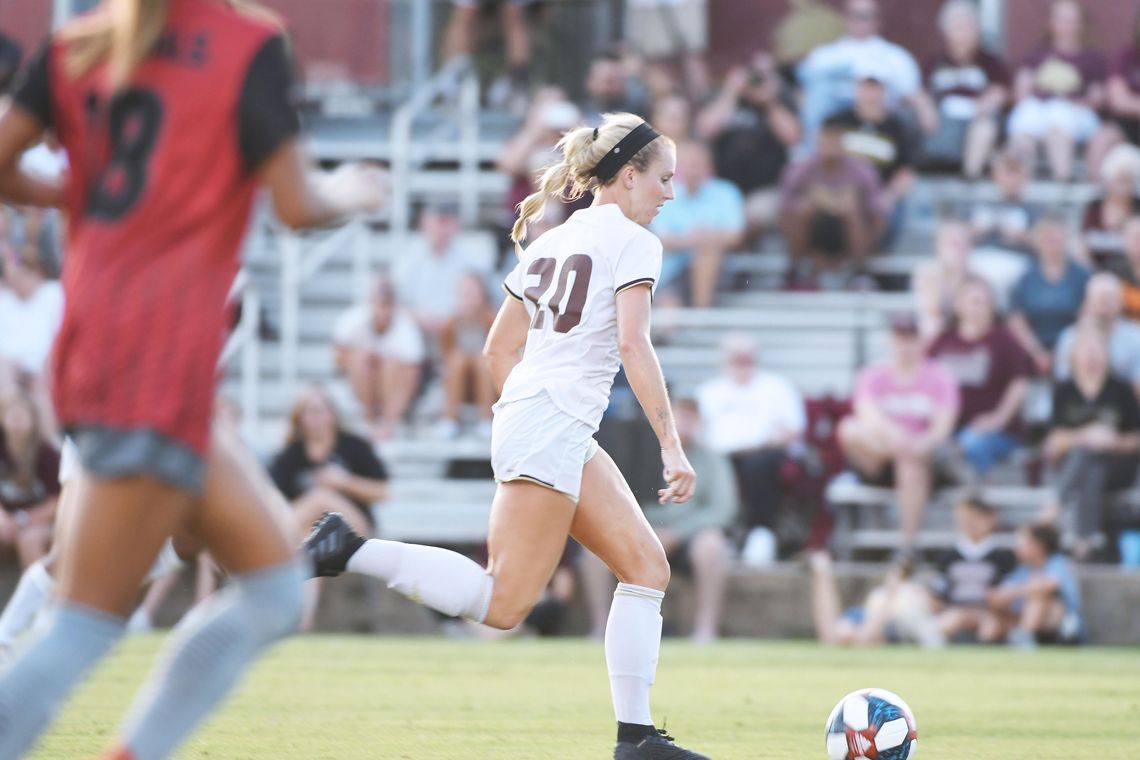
[{"x": 568, "y": 279}]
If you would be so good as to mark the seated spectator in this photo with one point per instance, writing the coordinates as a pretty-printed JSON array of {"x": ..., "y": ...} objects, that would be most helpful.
[
  {"x": 831, "y": 207},
  {"x": 1130, "y": 264},
  {"x": 874, "y": 132},
  {"x": 900, "y": 609},
  {"x": 1048, "y": 297},
  {"x": 427, "y": 280},
  {"x": 459, "y": 41},
  {"x": 1122, "y": 103},
  {"x": 465, "y": 373},
  {"x": 905, "y": 410},
  {"x": 380, "y": 349},
  {"x": 1003, "y": 227},
  {"x": 752, "y": 126},
  {"x": 1103, "y": 309},
  {"x": 532, "y": 148},
  {"x": 753, "y": 417},
  {"x": 1104, "y": 218},
  {"x": 827, "y": 75},
  {"x": 325, "y": 468},
  {"x": 610, "y": 88},
  {"x": 704, "y": 220},
  {"x": 1059, "y": 89},
  {"x": 1040, "y": 601},
  {"x": 665, "y": 32},
  {"x": 969, "y": 572},
  {"x": 1094, "y": 438},
  {"x": 970, "y": 87},
  {"x": 992, "y": 370},
  {"x": 934, "y": 283},
  {"x": 693, "y": 534},
  {"x": 29, "y": 479},
  {"x": 31, "y": 309}
]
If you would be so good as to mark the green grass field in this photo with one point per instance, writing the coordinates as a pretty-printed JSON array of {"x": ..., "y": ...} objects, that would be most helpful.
[{"x": 429, "y": 699}]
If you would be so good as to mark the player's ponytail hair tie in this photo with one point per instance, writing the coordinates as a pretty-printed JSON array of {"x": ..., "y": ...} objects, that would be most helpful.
[
  {"x": 595, "y": 134},
  {"x": 620, "y": 154}
]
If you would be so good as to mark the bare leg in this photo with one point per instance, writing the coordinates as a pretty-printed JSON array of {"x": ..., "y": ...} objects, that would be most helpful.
[
  {"x": 362, "y": 370},
  {"x": 1059, "y": 147},
  {"x": 399, "y": 382},
  {"x": 529, "y": 525},
  {"x": 980, "y": 140},
  {"x": 912, "y": 475},
  {"x": 456, "y": 368},
  {"x": 826, "y": 609},
  {"x": 459, "y": 39},
  {"x": 1026, "y": 145},
  {"x": 1102, "y": 142},
  {"x": 517, "y": 36},
  {"x": 861, "y": 448},
  {"x": 708, "y": 552},
  {"x": 598, "y": 588}
]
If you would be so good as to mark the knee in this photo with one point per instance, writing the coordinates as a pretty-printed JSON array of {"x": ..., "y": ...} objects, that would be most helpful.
[
  {"x": 506, "y": 618},
  {"x": 652, "y": 571},
  {"x": 709, "y": 547}
]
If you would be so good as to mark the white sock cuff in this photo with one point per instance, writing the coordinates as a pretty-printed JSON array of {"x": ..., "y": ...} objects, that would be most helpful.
[
  {"x": 38, "y": 574},
  {"x": 650, "y": 595}
]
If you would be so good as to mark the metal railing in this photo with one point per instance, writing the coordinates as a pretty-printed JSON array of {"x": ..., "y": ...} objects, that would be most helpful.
[
  {"x": 454, "y": 77},
  {"x": 302, "y": 256},
  {"x": 244, "y": 342}
]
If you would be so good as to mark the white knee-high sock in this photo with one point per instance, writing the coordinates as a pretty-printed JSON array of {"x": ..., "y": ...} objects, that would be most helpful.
[
  {"x": 633, "y": 645},
  {"x": 32, "y": 594},
  {"x": 443, "y": 580}
]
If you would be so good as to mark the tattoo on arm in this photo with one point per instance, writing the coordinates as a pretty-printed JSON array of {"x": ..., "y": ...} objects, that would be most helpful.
[{"x": 663, "y": 416}]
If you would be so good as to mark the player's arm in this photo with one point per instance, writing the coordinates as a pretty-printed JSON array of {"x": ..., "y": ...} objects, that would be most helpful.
[
  {"x": 506, "y": 340},
  {"x": 269, "y": 130},
  {"x": 23, "y": 121},
  {"x": 648, "y": 383},
  {"x": 304, "y": 197}
]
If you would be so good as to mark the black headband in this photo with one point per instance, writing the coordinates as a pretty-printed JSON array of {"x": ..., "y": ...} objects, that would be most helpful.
[{"x": 627, "y": 148}]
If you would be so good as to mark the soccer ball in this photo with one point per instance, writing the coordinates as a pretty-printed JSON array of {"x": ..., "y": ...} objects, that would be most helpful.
[{"x": 871, "y": 723}]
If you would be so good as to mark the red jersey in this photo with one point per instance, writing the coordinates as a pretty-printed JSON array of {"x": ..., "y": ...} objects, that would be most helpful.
[{"x": 162, "y": 178}]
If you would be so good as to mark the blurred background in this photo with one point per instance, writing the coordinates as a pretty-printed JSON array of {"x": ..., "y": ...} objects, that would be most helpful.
[{"x": 896, "y": 306}]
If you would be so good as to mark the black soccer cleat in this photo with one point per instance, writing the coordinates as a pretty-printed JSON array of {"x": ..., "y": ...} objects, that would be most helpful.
[
  {"x": 658, "y": 746},
  {"x": 330, "y": 544}
]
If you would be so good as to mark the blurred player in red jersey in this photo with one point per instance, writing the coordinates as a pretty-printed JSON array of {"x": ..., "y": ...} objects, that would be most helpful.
[{"x": 171, "y": 113}]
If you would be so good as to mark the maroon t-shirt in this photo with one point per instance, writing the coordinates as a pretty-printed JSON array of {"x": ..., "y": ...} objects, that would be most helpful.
[
  {"x": 1063, "y": 75},
  {"x": 946, "y": 77},
  {"x": 1126, "y": 65},
  {"x": 14, "y": 497},
  {"x": 984, "y": 369}
]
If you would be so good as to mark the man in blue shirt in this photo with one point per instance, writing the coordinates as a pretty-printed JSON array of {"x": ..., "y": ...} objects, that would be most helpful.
[{"x": 703, "y": 221}]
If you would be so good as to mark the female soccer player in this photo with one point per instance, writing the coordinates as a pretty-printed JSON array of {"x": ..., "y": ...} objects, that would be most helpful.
[
  {"x": 171, "y": 113},
  {"x": 578, "y": 306}
]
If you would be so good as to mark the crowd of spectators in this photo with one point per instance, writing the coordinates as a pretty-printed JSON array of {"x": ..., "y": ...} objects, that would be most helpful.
[{"x": 814, "y": 158}]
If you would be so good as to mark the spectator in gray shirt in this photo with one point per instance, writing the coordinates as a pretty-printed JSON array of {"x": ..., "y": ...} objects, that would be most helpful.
[{"x": 693, "y": 535}]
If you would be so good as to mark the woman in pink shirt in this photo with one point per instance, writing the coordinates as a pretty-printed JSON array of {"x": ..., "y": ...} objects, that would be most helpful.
[{"x": 905, "y": 409}]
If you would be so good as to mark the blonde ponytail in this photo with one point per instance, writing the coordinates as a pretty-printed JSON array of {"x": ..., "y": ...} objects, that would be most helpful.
[
  {"x": 572, "y": 177},
  {"x": 123, "y": 33}
]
